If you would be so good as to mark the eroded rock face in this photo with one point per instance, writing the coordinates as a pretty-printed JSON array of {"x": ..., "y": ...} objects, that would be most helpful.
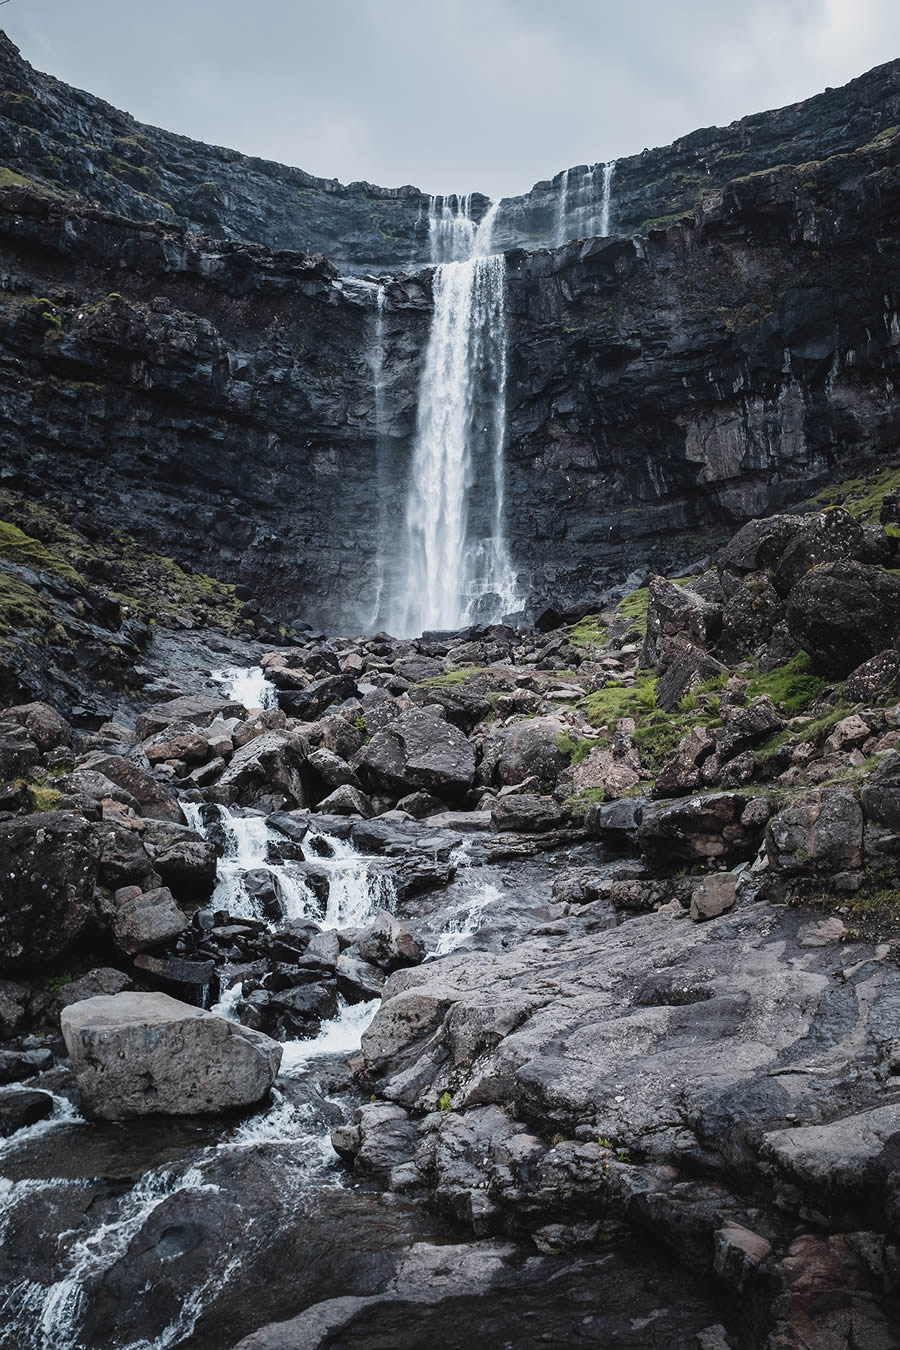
[{"x": 148, "y": 1054}]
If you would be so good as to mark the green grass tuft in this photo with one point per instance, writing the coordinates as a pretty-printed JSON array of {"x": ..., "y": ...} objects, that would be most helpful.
[
  {"x": 790, "y": 687},
  {"x": 607, "y": 705},
  {"x": 579, "y": 802},
  {"x": 451, "y": 678}
]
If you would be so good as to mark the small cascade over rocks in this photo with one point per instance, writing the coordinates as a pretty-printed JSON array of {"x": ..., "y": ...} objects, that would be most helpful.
[
  {"x": 355, "y": 890},
  {"x": 457, "y": 566},
  {"x": 247, "y": 685}
]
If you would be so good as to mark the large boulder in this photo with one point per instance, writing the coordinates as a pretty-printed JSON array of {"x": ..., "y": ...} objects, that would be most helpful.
[
  {"x": 759, "y": 545},
  {"x": 751, "y": 612},
  {"x": 42, "y": 723},
  {"x": 147, "y": 920},
  {"x": 876, "y": 679},
  {"x": 308, "y": 704},
  {"x": 843, "y": 613},
  {"x": 465, "y": 705},
  {"x": 188, "y": 865},
  {"x": 333, "y": 771},
  {"x": 199, "y": 709},
  {"x": 48, "y": 869},
  {"x": 676, "y": 612},
  {"x": 880, "y": 795},
  {"x": 720, "y": 825},
  {"x": 528, "y": 814},
  {"x": 828, "y": 536},
  {"x": 530, "y": 749},
  {"x": 346, "y": 801},
  {"x": 18, "y": 752},
  {"x": 154, "y": 799},
  {"x": 267, "y": 771},
  {"x": 419, "y": 750},
  {"x": 822, "y": 833},
  {"x": 682, "y": 666},
  {"x": 148, "y": 1054},
  {"x": 123, "y": 859}
]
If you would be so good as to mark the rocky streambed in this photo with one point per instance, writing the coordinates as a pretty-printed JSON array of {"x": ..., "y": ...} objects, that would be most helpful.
[{"x": 572, "y": 954}]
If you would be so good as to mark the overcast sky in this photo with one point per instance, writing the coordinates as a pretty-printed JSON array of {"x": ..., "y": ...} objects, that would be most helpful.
[{"x": 451, "y": 95}]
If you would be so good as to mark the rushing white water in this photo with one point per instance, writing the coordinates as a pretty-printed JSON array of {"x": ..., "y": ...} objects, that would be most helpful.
[
  {"x": 457, "y": 567},
  {"x": 357, "y": 886},
  {"x": 562, "y": 209},
  {"x": 578, "y": 214},
  {"x": 49, "y": 1317},
  {"x": 451, "y": 230},
  {"x": 606, "y": 199},
  {"x": 63, "y": 1113},
  {"x": 466, "y": 917},
  {"x": 248, "y": 686}
]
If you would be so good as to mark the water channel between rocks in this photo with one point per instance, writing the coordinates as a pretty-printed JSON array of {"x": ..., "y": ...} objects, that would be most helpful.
[{"x": 168, "y": 1233}]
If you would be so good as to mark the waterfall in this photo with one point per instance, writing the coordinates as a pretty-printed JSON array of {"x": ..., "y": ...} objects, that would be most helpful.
[
  {"x": 606, "y": 199},
  {"x": 457, "y": 565},
  {"x": 451, "y": 231},
  {"x": 562, "y": 205},
  {"x": 377, "y": 362}
]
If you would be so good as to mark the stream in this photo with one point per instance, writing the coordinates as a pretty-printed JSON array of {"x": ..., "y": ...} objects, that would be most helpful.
[{"x": 164, "y": 1233}]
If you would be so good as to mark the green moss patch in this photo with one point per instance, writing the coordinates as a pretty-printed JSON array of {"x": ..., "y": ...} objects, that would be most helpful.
[
  {"x": 578, "y": 748},
  {"x": 22, "y": 609},
  {"x": 579, "y": 802},
  {"x": 790, "y": 687},
  {"x": 861, "y": 497},
  {"x": 587, "y": 632},
  {"x": 20, "y": 547},
  {"x": 43, "y": 798},
  {"x": 451, "y": 678}
]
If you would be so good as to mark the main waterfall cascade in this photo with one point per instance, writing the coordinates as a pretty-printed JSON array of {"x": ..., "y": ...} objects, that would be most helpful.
[
  {"x": 452, "y": 566},
  {"x": 456, "y": 565}
]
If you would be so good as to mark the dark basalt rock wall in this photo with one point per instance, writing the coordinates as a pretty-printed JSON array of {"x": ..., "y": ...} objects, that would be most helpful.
[
  {"x": 72, "y": 141},
  {"x": 663, "y": 391},
  {"x": 216, "y": 397}
]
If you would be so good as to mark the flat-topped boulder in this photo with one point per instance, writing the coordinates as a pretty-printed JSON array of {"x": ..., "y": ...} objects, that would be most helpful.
[
  {"x": 199, "y": 709},
  {"x": 148, "y": 1054}
]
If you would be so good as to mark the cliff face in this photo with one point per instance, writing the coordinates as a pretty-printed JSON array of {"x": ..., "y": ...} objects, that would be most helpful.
[
  {"x": 666, "y": 390},
  {"x": 216, "y": 397},
  {"x": 220, "y": 396},
  {"x": 72, "y": 142}
]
